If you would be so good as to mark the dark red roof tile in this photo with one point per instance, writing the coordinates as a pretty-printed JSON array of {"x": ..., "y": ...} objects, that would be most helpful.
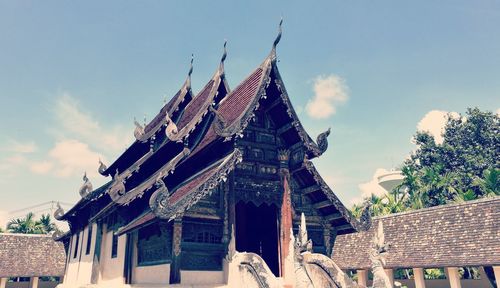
[
  {"x": 237, "y": 101},
  {"x": 195, "y": 105},
  {"x": 191, "y": 184},
  {"x": 159, "y": 117}
]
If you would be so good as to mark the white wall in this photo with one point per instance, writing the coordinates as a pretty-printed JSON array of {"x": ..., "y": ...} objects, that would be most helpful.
[
  {"x": 79, "y": 269},
  {"x": 85, "y": 266},
  {"x": 112, "y": 268},
  {"x": 72, "y": 268},
  {"x": 202, "y": 277},
  {"x": 155, "y": 274}
]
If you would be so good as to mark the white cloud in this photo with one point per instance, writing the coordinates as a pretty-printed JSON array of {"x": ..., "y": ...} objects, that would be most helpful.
[
  {"x": 434, "y": 122},
  {"x": 498, "y": 111},
  {"x": 10, "y": 165},
  {"x": 82, "y": 125},
  {"x": 371, "y": 187},
  {"x": 41, "y": 167},
  {"x": 72, "y": 157},
  {"x": 19, "y": 147},
  {"x": 329, "y": 92}
]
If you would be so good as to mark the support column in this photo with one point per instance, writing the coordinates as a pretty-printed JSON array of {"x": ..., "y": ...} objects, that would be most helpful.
[
  {"x": 418, "y": 274},
  {"x": 285, "y": 221},
  {"x": 175, "y": 267},
  {"x": 454, "y": 277},
  {"x": 3, "y": 282},
  {"x": 390, "y": 274},
  {"x": 496, "y": 271},
  {"x": 34, "y": 282},
  {"x": 362, "y": 277}
]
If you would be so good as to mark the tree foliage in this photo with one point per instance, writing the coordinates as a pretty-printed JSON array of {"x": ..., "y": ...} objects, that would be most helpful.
[
  {"x": 465, "y": 166},
  {"x": 29, "y": 225}
]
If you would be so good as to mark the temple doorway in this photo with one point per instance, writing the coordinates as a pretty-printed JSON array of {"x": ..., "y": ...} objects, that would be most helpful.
[{"x": 257, "y": 231}]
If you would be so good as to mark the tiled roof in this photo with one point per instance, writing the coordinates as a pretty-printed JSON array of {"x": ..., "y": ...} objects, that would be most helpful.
[
  {"x": 159, "y": 117},
  {"x": 456, "y": 235},
  {"x": 237, "y": 101},
  {"x": 195, "y": 105},
  {"x": 137, "y": 222},
  {"x": 25, "y": 255},
  {"x": 191, "y": 184},
  {"x": 233, "y": 106}
]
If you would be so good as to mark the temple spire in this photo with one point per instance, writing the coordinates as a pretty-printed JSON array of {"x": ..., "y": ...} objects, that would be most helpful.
[
  {"x": 222, "y": 59},
  {"x": 277, "y": 40},
  {"x": 187, "y": 85}
]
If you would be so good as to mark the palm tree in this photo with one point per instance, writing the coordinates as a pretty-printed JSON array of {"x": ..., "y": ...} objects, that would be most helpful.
[
  {"x": 26, "y": 225},
  {"x": 47, "y": 224},
  {"x": 29, "y": 225},
  {"x": 489, "y": 184}
]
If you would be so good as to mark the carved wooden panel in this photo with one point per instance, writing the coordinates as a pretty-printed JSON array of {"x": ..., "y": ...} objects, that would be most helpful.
[
  {"x": 154, "y": 244},
  {"x": 202, "y": 247}
]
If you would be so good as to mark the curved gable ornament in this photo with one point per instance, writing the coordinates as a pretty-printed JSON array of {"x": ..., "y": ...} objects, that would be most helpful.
[
  {"x": 160, "y": 199},
  {"x": 86, "y": 187},
  {"x": 57, "y": 234},
  {"x": 59, "y": 213},
  {"x": 171, "y": 129},
  {"x": 102, "y": 168},
  {"x": 117, "y": 189},
  {"x": 139, "y": 132},
  {"x": 322, "y": 141}
]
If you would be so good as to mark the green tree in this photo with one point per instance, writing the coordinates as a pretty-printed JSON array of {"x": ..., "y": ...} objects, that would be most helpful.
[
  {"x": 467, "y": 160},
  {"x": 48, "y": 225},
  {"x": 465, "y": 166},
  {"x": 28, "y": 225}
]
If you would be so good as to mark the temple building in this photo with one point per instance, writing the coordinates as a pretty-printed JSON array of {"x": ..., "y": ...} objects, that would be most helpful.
[{"x": 217, "y": 177}]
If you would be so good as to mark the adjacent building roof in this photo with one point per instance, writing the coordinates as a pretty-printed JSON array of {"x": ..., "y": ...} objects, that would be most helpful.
[
  {"x": 27, "y": 255},
  {"x": 454, "y": 235}
]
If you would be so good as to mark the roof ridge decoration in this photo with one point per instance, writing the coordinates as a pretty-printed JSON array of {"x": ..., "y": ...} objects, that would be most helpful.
[
  {"x": 277, "y": 40},
  {"x": 160, "y": 200},
  {"x": 228, "y": 130},
  {"x": 360, "y": 225},
  {"x": 86, "y": 186},
  {"x": 318, "y": 148},
  {"x": 139, "y": 190},
  {"x": 140, "y": 132},
  {"x": 217, "y": 79},
  {"x": 59, "y": 213},
  {"x": 102, "y": 168},
  {"x": 222, "y": 59}
]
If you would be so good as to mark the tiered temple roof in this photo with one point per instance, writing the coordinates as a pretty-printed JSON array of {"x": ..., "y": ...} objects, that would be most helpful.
[{"x": 191, "y": 146}]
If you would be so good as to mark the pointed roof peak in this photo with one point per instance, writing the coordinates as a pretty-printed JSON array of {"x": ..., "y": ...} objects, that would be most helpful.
[
  {"x": 191, "y": 66},
  {"x": 187, "y": 85},
  {"x": 277, "y": 39},
  {"x": 220, "y": 71}
]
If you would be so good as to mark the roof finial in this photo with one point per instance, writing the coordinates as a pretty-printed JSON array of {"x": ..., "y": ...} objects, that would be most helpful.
[
  {"x": 225, "y": 52},
  {"x": 278, "y": 37},
  {"x": 191, "y": 66},
  {"x": 222, "y": 59}
]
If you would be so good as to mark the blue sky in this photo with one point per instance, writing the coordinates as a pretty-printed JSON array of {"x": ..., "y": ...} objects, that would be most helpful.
[{"x": 74, "y": 75}]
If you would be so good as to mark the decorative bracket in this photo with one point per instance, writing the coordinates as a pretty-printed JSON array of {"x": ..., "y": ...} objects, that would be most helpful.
[
  {"x": 322, "y": 141},
  {"x": 59, "y": 213},
  {"x": 86, "y": 187},
  {"x": 102, "y": 168}
]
